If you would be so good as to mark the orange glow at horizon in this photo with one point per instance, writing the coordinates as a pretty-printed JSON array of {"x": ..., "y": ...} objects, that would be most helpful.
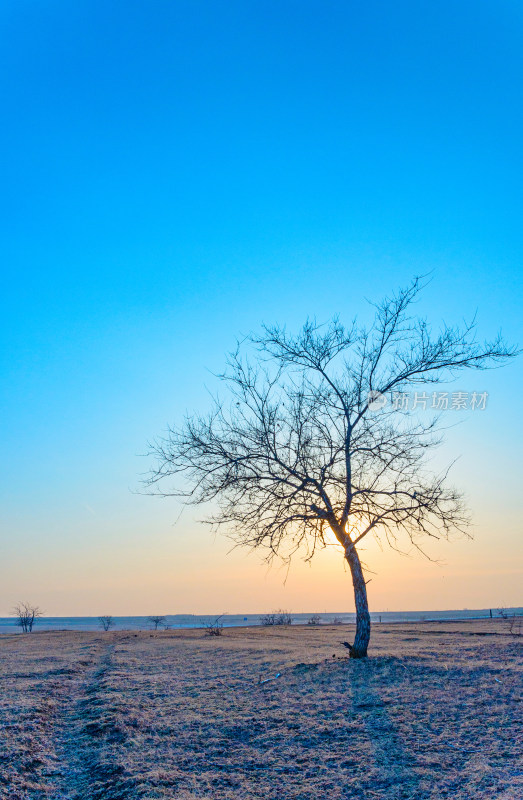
[{"x": 193, "y": 572}]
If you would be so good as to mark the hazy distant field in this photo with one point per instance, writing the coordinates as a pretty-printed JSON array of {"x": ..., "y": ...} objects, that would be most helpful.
[{"x": 434, "y": 713}]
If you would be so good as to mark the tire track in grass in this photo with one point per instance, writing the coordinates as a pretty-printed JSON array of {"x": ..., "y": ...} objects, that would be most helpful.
[
  {"x": 38, "y": 682},
  {"x": 92, "y": 742}
]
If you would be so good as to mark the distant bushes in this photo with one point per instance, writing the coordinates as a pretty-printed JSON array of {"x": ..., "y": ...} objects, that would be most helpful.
[{"x": 280, "y": 617}]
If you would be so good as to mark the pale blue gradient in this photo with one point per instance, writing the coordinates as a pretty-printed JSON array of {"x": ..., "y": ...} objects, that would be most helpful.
[{"x": 175, "y": 173}]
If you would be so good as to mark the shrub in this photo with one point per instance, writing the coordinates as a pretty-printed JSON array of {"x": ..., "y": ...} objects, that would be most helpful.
[
  {"x": 26, "y": 616},
  {"x": 213, "y": 627},
  {"x": 514, "y": 623},
  {"x": 268, "y": 619},
  {"x": 280, "y": 617}
]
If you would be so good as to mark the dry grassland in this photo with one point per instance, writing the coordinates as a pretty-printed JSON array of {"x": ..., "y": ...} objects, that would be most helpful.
[{"x": 435, "y": 712}]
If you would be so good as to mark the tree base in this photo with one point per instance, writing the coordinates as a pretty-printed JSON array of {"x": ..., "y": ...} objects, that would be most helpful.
[{"x": 358, "y": 652}]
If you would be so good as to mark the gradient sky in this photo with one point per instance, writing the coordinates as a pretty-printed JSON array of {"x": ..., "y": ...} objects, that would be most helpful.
[{"x": 175, "y": 173}]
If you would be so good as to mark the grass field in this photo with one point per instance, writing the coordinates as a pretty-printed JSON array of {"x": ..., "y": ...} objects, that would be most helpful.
[{"x": 435, "y": 712}]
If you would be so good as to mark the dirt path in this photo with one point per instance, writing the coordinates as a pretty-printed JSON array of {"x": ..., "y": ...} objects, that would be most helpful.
[
  {"x": 89, "y": 735},
  {"x": 58, "y": 731},
  {"x": 37, "y": 687}
]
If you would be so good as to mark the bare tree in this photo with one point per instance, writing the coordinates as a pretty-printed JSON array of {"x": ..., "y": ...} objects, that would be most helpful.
[
  {"x": 26, "y": 616},
  {"x": 106, "y": 622},
  {"x": 156, "y": 620},
  {"x": 310, "y": 446}
]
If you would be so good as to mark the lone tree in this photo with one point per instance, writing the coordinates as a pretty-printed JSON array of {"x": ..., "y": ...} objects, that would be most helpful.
[
  {"x": 106, "y": 622},
  {"x": 315, "y": 440},
  {"x": 156, "y": 620},
  {"x": 26, "y": 615}
]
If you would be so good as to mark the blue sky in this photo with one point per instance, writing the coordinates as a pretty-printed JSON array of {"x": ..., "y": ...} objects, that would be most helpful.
[{"x": 176, "y": 173}]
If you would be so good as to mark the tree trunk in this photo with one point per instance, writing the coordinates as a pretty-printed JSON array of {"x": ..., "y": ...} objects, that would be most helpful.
[{"x": 361, "y": 640}]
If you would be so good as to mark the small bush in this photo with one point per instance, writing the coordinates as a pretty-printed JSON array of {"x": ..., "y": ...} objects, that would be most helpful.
[
  {"x": 514, "y": 623},
  {"x": 314, "y": 620},
  {"x": 280, "y": 617},
  {"x": 283, "y": 617},
  {"x": 268, "y": 619},
  {"x": 213, "y": 627},
  {"x": 26, "y": 616}
]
